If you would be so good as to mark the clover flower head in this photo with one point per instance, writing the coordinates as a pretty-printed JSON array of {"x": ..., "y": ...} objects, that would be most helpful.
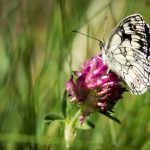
[{"x": 94, "y": 88}]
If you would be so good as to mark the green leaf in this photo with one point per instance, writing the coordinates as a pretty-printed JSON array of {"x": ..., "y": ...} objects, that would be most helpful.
[
  {"x": 52, "y": 117},
  {"x": 87, "y": 125},
  {"x": 107, "y": 114},
  {"x": 90, "y": 124},
  {"x": 64, "y": 103}
]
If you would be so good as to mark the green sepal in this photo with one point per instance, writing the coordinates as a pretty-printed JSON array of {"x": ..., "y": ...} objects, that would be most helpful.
[
  {"x": 87, "y": 125},
  {"x": 107, "y": 114},
  {"x": 53, "y": 117},
  {"x": 64, "y": 103}
]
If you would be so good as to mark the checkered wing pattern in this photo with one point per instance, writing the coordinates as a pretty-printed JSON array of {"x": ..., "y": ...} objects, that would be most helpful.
[{"x": 128, "y": 51}]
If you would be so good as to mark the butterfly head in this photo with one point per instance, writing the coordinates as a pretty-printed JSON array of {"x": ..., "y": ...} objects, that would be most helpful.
[{"x": 101, "y": 45}]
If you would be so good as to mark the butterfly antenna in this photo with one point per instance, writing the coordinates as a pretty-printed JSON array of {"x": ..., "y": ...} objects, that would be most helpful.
[
  {"x": 87, "y": 36},
  {"x": 104, "y": 28}
]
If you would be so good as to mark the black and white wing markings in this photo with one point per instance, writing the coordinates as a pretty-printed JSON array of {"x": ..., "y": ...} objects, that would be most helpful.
[
  {"x": 147, "y": 30},
  {"x": 133, "y": 32},
  {"x": 127, "y": 53},
  {"x": 135, "y": 74}
]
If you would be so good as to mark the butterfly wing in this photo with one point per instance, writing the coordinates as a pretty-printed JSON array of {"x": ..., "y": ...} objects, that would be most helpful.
[{"x": 127, "y": 52}]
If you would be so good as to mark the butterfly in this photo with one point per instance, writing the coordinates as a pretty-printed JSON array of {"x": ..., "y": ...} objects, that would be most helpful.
[{"x": 127, "y": 52}]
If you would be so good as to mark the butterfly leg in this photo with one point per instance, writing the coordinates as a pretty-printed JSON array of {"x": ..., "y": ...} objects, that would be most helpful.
[
  {"x": 108, "y": 70},
  {"x": 107, "y": 73}
]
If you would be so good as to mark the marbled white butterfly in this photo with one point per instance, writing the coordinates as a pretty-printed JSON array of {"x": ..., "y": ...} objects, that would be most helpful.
[{"x": 127, "y": 51}]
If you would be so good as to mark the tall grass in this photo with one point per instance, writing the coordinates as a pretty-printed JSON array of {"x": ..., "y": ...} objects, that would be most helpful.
[{"x": 37, "y": 54}]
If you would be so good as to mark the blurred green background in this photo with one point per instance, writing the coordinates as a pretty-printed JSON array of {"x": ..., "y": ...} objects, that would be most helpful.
[{"x": 38, "y": 51}]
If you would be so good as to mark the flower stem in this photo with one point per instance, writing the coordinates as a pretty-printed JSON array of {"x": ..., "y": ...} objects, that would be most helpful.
[{"x": 70, "y": 131}]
